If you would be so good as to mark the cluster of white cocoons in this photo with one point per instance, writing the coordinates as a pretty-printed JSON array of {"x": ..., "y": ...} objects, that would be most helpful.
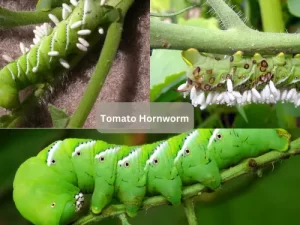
[
  {"x": 270, "y": 94},
  {"x": 79, "y": 201}
]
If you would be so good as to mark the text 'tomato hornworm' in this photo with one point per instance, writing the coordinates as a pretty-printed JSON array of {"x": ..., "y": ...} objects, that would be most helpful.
[{"x": 50, "y": 188}]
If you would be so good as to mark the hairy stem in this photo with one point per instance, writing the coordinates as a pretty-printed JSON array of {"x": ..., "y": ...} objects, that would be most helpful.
[
  {"x": 164, "y": 35},
  {"x": 237, "y": 36},
  {"x": 13, "y": 19},
  {"x": 103, "y": 66},
  {"x": 229, "y": 18},
  {"x": 271, "y": 13},
  {"x": 190, "y": 192}
]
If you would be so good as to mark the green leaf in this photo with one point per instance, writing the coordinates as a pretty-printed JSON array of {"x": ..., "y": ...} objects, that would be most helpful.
[
  {"x": 11, "y": 120},
  {"x": 164, "y": 63},
  {"x": 258, "y": 115},
  {"x": 59, "y": 117},
  {"x": 159, "y": 5},
  {"x": 167, "y": 85},
  {"x": 242, "y": 113},
  {"x": 294, "y": 7}
]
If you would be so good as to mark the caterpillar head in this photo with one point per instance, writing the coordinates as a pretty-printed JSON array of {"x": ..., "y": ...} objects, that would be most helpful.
[{"x": 42, "y": 197}]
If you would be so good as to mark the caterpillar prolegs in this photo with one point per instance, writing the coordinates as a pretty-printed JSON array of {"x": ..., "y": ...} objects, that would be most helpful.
[
  {"x": 50, "y": 188},
  {"x": 239, "y": 80},
  {"x": 54, "y": 47}
]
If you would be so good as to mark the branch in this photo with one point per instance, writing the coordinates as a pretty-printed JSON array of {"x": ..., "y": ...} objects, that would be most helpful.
[
  {"x": 13, "y": 19},
  {"x": 190, "y": 192},
  {"x": 237, "y": 37},
  {"x": 229, "y": 18},
  {"x": 164, "y": 35},
  {"x": 103, "y": 66}
]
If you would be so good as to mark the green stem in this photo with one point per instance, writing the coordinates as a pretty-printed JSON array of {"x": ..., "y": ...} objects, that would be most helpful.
[
  {"x": 124, "y": 220},
  {"x": 171, "y": 14},
  {"x": 190, "y": 212},
  {"x": 271, "y": 13},
  {"x": 164, "y": 35},
  {"x": 103, "y": 66},
  {"x": 195, "y": 190},
  {"x": 12, "y": 19},
  {"x": 237, "y": 37},
  {"x": 229, "y": 18}
]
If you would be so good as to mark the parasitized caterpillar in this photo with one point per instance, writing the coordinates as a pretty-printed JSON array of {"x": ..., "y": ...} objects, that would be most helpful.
[
  {"x": 49, "y": 188},
  {"x": 54, "y": 47},
  {"x": 239, "y": 80}
]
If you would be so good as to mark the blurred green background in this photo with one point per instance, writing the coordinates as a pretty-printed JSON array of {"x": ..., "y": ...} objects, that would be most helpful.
[
  {"x": 273, "y": 198},
  {"x": 167, "y": 69}
]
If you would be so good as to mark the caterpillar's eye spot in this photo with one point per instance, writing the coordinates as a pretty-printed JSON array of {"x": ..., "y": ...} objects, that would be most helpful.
[
  {"x": 53, "y": 204},
  {"x": 254, "y": 61},
  {"x": 187, "y": 151},
  {"x": 53, "y": 161},
  {"x": 101, "y": 159},
  {"x": 126, "y": 164},
  {"x": 264, "y": 63},
  {"x": 155, "y": 161},
  {"x": 246, "y": 66},
  {"x": 231, "y": 58},
  {"x": 219, "y": 85},
  {"x": 219, "y": 136},
  {"x": 228, "y": 76},
  {"x": 78, "y": 153}
]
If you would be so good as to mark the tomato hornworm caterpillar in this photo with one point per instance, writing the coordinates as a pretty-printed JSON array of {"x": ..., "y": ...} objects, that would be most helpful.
[
  {"x": 49, "y": 188},
  {"x": 54, "y": 47},
  {"x": 239, "y": 80}
]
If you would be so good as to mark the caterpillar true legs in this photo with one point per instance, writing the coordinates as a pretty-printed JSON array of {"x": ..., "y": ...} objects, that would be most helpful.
[{"x": 49, "y": 188}]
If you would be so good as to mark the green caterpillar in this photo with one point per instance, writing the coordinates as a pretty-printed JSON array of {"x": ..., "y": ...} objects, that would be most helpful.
[
  {"x": 49, "y": 188},
  {"x": 53, "y": 48},
  {"x": 238, "y": 80}
]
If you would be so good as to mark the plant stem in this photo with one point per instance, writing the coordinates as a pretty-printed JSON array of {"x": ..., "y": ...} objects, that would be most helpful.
[
  {"x": 164, "y": 35},
  {"x": 237, "y": 37},
  {"x": 271, "y": 13},
  {"x": 193, "y": 191},
  {"x": 13, "y": 19},
  {"x": 103, "y": 66},
  {"x": 229, "y": 18},
  {"x": 124, "y": 220},
  {"x": 190, "y": 212}
]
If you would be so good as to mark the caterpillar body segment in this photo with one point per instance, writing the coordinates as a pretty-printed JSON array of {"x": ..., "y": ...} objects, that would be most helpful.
[
  {"x": 50, "y": 188},
  {"x": 53, "y": 48},
  {"x": 239, "y": 79},
  {"x": 230, "y": 146}
]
